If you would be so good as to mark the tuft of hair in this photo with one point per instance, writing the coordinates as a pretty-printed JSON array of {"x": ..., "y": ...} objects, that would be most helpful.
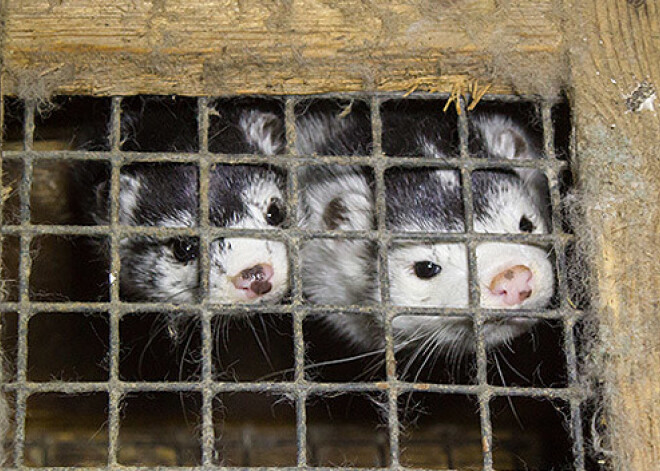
[
  {"x": 263, "y": 131},
  {"x": 320, "y": 132}
]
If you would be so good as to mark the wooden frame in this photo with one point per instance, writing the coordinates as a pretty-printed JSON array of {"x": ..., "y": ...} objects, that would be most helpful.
[
  {"x": 615, "y": 46},
  {"x": 298, "y": 47}
]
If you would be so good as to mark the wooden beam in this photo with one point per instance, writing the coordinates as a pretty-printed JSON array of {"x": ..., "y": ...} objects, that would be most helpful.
[
  {"x": 615, "y": 64},
  {"x": 212, "y": 47}
]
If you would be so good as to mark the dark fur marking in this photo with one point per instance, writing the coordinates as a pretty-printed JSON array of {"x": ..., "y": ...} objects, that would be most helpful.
[
  {"x": 519, "y": 144},
  {"x": 335, "y": 214},
  {"x": 415, "y": 197}
]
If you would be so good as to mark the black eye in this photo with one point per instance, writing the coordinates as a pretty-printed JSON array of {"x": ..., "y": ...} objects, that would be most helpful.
[
  {"x": 426, "y": 270},
  {"x": 185, "y": 249},
  {"x": 275, "y": 212},
  {"x": 526, "y": 225}
]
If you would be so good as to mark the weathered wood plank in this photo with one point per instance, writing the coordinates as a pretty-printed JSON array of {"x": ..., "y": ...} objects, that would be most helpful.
[
  {"x": 251, "y": 46},
  {"x": 615, "y": 45}
]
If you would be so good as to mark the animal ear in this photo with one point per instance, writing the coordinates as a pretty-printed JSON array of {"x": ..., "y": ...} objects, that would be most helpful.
[
  {"x": 509, "y": 143},
  {"x": 336, "y": 198},
  {"x": 129, "y": 187},
  {"x": 348, "y": 204},
  {"x": 503, "y": 138},
  {"x": 263, "y": 131}
]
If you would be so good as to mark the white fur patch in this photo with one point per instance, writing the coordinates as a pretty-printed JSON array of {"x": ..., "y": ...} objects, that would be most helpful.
[
  {"x": 257, "y": 197},
  {"x": 351, "y": 190},
  {"x": 506, "y": 209},
  {"x": 128, "y": 196},
  {"x": 177, "y": 282},
  {"x": 180, "y": 219},
  {"x": 243, "y": 253},
  {"x": 339, "y": 272},
  {"x": 447, "y": 178},
  {"x": 430, "y": 149},
  {"x": 502, "y": 138},
  {"x": 317, "y": 132},
  {"x": 494, "y": 257},
  {"x": 447, "y": 289}
]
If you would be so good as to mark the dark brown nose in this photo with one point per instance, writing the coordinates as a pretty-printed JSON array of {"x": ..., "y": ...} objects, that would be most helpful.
[{"x": 260, "y": 287}]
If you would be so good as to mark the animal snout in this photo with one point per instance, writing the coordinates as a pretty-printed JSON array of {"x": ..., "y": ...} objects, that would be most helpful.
[
  {"x": 513, "y": 285},
  {"x": 255, "y": 281}
]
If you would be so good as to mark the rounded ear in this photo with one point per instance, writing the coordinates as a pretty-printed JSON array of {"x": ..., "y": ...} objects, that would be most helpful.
[
  {"x": 510, "y": 144},
  {"x": 129, "y": 187},
  {"x": 263, "y": 131},
  {"x": 348, "y": 204},
  {"x": 335, "y": 198},
  {"x": 503, "y": 138}
]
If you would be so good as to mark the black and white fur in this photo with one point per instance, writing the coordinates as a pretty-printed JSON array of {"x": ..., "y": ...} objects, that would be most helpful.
[
  {"x": 343, "y": 272},
  {"x": 166, "y": 195}
]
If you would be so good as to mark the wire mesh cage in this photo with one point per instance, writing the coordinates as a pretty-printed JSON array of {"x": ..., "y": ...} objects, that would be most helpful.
[{"x": 94, "y": 381}]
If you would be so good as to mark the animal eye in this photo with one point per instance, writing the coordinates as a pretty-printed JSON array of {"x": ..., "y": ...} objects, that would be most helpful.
[
  {"x": 275, "y": 212},
  {"x": 185, "y": 249},
  {"x": 526, "y": 225},
  {"x": 426, "y": 270}
]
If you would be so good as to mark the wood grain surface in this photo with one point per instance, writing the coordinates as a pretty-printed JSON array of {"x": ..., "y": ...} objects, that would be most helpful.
[
  {"x": 615, "y": 47},
  {"x": 211, "y": 47}
]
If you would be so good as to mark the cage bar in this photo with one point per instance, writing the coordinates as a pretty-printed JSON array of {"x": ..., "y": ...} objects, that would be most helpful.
[{"x": 115, "y": 395}]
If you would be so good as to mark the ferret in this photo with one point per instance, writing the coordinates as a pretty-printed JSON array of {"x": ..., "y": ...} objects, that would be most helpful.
[
  {"x": 242, "y": 269},
  {"x": 511, "y": 275}
]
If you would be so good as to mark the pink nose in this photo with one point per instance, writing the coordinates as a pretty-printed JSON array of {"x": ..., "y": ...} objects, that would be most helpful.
[
  {"x": 513, "y": 285},
  {"x": 255, "y": 281}
]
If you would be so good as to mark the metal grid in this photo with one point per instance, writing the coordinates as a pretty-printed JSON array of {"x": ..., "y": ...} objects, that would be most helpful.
[{"x": 300, "y": 387}]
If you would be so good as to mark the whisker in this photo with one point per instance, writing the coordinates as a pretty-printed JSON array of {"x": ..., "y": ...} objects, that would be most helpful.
[
  {"x": 508, "y": 398},
  {"x": 514, "y": 370},
  {"x": 324, "y": 363}
]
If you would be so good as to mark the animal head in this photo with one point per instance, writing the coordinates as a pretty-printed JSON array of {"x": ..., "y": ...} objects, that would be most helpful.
[
  {"x": 166, "y": 195},
  {"x": 510, "y": 275}
]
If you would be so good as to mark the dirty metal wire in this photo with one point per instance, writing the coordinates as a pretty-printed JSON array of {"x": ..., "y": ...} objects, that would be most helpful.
[
  {"x": 208, "y": 433},
  {"x": 294, "y": 247},
  {"x": 384, "y": 284},
  {"x": 23, "y": 294},
  {"x": 484, "y": 395},
  {"x": 300, "y": 387},
  {"x": 553, "y": 175},
  {"x": 114, "y": 396}
]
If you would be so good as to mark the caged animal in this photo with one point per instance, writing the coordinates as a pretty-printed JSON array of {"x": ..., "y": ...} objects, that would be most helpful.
[
  {"x": 343, "y": 271},
  {"x": 241, "y": 269}
]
